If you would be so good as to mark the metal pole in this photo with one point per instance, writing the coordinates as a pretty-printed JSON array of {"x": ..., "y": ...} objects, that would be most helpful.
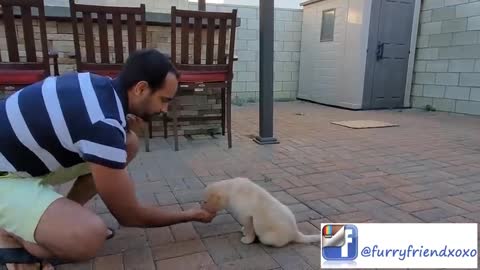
[
  {"x": 202, "y": 5},
  {"x": 266, "y": 73}
]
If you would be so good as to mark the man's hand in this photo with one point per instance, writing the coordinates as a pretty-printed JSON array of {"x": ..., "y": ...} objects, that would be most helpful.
[
  {"x": 201, "y": 215},
  {"x": 135, "y": 123}
]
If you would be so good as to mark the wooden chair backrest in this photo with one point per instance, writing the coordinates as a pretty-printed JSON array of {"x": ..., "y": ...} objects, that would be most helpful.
[
  {"x": 209, "y": 54},
  {"x": 117, "y": 17},
  {"x": 24, "y": 11}
]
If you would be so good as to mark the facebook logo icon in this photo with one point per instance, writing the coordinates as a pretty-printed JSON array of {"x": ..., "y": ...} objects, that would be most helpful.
[{"x": 339, "y": 242}]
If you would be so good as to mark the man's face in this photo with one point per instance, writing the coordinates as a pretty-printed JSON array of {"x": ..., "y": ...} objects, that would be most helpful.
[{"x": 145, "y": 103}]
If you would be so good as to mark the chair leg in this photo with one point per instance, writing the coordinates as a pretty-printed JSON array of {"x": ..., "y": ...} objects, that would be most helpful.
[
  {"x": 175, "y": 123},
  {"x": 229, "y": 114},
  {"x": 147, "y": 139},
  {"x": 165, "y": 125},
  {"x": 223, "y": 111},
  {"x": 150, "y": 129}
]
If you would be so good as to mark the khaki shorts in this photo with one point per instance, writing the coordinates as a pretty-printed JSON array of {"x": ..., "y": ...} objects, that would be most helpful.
[{"x": 23, "y": 200}]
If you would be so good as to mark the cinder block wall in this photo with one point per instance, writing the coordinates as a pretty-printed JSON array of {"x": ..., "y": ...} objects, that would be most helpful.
[{"x": 447, "y": 66}]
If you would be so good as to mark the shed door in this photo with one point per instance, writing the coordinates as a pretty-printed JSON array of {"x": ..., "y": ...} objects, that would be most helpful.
[{"x": 388, "y": 52}]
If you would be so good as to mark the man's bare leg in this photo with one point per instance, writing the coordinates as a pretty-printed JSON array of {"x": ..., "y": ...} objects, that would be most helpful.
[{"x": 83, "y": 231}]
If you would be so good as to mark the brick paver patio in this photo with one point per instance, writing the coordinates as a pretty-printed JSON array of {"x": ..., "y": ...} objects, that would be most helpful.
[{"x": 425, "y": 170}]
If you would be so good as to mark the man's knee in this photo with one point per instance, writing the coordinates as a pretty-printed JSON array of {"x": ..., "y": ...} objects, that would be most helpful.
[
  {"x": 132, "y": 146},
  {"x": 86, "y": 240}
]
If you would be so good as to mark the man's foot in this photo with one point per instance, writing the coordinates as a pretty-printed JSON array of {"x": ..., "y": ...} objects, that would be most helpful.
[{"x": 7, "y": 241}]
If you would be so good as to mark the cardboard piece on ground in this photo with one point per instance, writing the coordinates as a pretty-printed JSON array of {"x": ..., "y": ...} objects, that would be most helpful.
[{"x": 362, "y": 124}]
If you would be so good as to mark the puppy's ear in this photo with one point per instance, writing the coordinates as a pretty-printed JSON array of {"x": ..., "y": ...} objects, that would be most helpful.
[{"x": 213, "y": 201}]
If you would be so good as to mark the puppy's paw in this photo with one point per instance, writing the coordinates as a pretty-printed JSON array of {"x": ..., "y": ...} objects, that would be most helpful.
[
  {"x": 243, "y": 230},
  {"x": 247, "y": 240}
]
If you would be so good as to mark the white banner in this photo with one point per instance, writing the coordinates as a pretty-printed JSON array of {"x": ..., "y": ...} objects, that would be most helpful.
[{"x": 399, "y": 245}]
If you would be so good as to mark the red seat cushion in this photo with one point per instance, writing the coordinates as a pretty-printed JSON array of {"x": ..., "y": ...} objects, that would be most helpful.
[
  {"x": 202, "y": 76},
  {"x": 21, "y": 77},
  {"x": 109, "y": 73}
]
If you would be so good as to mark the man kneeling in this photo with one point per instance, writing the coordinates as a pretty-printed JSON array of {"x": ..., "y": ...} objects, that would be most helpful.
[{"x": 75, "y": 127}]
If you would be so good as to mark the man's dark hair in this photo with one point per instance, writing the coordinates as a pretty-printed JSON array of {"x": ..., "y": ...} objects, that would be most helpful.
[{"x": 147, "y": 65}]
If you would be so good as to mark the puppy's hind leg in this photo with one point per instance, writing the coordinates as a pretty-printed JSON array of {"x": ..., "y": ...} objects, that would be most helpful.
[
  {"x": 248, "y": 231},
  {"x": 273, "y": 239}
]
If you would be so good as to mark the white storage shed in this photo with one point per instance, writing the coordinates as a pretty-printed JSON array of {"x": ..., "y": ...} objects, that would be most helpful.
[{"x": 358, "y": 54}]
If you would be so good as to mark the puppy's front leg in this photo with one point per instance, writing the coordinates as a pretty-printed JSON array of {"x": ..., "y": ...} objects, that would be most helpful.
[{"x": 248, "y": 231}]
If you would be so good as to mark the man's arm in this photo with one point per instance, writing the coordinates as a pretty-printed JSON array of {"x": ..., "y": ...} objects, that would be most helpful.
[{"x": 118, "y": 192}]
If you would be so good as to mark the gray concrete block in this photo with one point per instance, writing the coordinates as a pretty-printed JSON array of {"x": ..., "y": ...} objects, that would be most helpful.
[
  {"x": 240, "y": 66},
  {"x": 464, "y": 65},
  {"x": 473, "y": 23},
  {"x": 426, "y": 16},
  {"x": 253, "y": 24},
  {"x": 468, "y": 10},
  {"x": 437, "y": 66},
  {"x": 252, "y": 66},
  {"x": 420, "y": 66},
  {"x": 467, "y": 107},
  {"x": 246, "y": 76},
  {"x": 421, "y": 102},
  {"x": 417, "y": 90},
  {"x": 457, "y": 25},
  {"x": 424, "y": 78},
  {"x": 465, "y": 38},
  {"x": 422, "y": 41},
  {"x": 427, "y": 54},
  {"x": 430, "y": 28},
  {"x": 290, "y": 86},
  {"x": 444, "y": 13},
  {"x": 278, "y": 46},
  {"x": 475, "y": 94},
  {"x": 296, "y": 36},
  {"x": 283, "y": 56},
  {"x": 297, "y": 16},
  {"x": 293, "y": 26},
  {"x": 253, "y": 45},
  {"x": 283, "y": 15},
  {"x": 447, "y": 79},
  {"x": 455, "y": 2},
  {"x": 470, "y": 79},
  {"x": 291, "y": 46},
  {"x": 440, "y": 40},
  {"x": 477, "y": 65},
  {"x": 454, "y": 92},
  {"x": 459, "y": 52},
  {"x": 250, "y": 13},
  {"x": 445, "y": 105},
  {"x": 239, "y": 86},
  {"x": 241, "y": 45},
  {"x": 283, "y": 76},
  {"x": 247, "y": 55},
  {"x": 296, "y": 56},
  {"x": 295, "y": 76},
  {"x": 431, "y": 4},
  {"x": 253, "y": 86},
  {"x": 246, "y": 34},
  {"x": 292, "y": 66},
  {"x": 437, "y": 91},
  {"x": 279, "y": 26},
  {"x": 283, "y": 36}
]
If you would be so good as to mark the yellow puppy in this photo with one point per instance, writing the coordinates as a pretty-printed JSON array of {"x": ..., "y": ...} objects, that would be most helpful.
[{"x": 258, "y": 211}]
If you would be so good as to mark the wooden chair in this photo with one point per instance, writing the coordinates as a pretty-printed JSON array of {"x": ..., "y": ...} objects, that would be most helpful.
[
  {"x": 211, "y": 69},
  {"x": 100, "y": 59},
  {"x": 24, "y": 66}
]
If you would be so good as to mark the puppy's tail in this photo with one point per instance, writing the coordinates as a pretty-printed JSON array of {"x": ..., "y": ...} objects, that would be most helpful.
[{"x": 305, "y": 239}]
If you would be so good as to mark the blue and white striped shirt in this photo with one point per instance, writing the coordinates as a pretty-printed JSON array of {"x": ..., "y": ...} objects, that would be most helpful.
[{"x": 63, "y": 121}]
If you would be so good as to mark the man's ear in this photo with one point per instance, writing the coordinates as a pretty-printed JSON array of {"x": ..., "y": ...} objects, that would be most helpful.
[{"x": 140, "y": 87}]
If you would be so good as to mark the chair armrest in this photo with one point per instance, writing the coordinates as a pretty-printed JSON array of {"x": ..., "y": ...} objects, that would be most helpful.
[{"x": 54, "y": 55}]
